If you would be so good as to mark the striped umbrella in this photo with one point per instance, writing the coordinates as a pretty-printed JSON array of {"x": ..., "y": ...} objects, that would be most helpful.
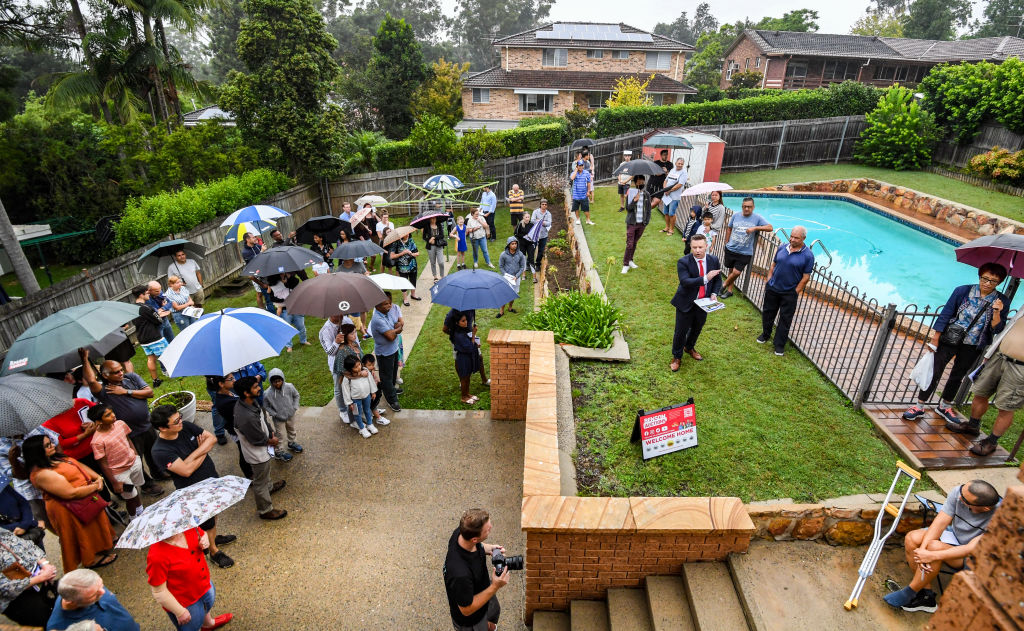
[
  {"x": 236, "y": 234},
  {"x": 222, "y": 342},
  {"x": 254, "y": 213}
]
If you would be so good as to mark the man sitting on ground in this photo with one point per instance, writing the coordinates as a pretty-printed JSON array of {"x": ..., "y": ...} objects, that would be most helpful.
[{"x": 952, "y": 537}]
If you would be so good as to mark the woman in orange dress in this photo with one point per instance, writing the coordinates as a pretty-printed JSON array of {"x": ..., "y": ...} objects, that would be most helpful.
[{"x": 62, "y": 478}]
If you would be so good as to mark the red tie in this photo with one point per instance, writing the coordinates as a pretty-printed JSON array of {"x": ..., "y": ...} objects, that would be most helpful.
[{"x": 700, "y": 266}]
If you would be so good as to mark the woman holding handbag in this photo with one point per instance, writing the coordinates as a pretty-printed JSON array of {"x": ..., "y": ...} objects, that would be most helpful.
[
  {"x": 71, "y": 491},
  {"x": 18, "y": 600},
  {"x": 971, "y": 317}
]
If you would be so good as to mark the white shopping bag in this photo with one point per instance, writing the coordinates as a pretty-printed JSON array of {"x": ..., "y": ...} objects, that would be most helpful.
[{"x": 922, "y": 373}]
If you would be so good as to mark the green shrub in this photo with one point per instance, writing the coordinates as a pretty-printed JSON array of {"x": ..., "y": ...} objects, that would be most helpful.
[
  {"x": 532, "y": 138},
  {"x": 576, "y": 318},
  {"x": 960, "y": 97},
  {"x": 900, "y": 134},
  {"x": 546, "y": 119},
  {"x": 838, "y": 100},
  {"x": 1008, "y": 94},
  {"x": 474, "y": 149},
  {"x": 397, "y": 154},
  {"x": 999, "y": 165},
  {"x": 433, "y": 139},
  {"x": 149, "y": 219},
  {"x": 550, "y": 185}
]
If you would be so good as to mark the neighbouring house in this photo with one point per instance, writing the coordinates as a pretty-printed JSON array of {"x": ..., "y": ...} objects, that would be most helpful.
[
  {"x": 548, "y": 69},
  {"x": 792, "y": 61},
  {"x": 210, "y": 112}
]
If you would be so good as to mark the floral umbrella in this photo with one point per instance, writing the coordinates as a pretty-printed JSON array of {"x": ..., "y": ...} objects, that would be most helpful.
[{"x": 183, "y": 509}]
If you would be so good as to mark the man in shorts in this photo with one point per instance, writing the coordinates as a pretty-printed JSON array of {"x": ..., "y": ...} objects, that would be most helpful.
[
  {"x": 1001, "y": 381},
  {"x": 740, "y": 236},
  {"x": 624, "y": 179},
  {"x": 582, "y": 183},
  {"x": 951, "y": 537}
]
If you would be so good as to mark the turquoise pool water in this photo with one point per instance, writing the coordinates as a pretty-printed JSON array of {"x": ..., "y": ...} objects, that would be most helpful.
[{"x": 884, "y": 258}]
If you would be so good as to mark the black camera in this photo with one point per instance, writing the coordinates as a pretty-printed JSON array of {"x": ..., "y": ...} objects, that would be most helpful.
[{"x": 501, "y": 562}]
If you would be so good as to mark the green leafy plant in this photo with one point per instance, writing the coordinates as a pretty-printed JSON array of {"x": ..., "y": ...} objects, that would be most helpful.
[
  {"x": 960, "y": 97},
  {"x": 587, "y": 320},
  {"x": 999, "y": 165},
  {"x": 900, "y": 134},
  {"x": 558, "y": 247}
]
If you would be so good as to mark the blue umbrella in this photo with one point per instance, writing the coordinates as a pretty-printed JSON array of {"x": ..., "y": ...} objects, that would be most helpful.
[
  {"x": 219, "y": 343},
  {"x": 443, "y": 183},
  {"x": 253, "y": 214},
  {"x": 472, "y": 289}
]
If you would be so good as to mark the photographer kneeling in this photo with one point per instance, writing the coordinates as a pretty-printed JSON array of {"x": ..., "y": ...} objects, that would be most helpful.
[{"x": 471, "y": 588}]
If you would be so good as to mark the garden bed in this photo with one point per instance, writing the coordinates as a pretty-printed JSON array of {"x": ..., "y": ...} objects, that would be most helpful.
[{"x": 561, "y": 271}]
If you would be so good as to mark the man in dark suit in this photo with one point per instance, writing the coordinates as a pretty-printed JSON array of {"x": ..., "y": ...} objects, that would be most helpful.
[{"x": 698, "y": 278}]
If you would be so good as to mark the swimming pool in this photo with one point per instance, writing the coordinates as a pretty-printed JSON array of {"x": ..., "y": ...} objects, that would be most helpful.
[{"x": 885, "y": 258}]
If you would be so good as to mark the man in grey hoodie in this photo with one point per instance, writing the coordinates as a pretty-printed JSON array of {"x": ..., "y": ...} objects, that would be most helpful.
[
  {"x": 256, "y": 437},
  {"x": 512, "y": 264},
  {"x": 281, "y": 401}
]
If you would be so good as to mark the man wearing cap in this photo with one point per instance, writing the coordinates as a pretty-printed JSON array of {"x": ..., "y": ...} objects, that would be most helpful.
[
  {"x": 624, "y": 179},
  {"x": 582, "y": 182}
]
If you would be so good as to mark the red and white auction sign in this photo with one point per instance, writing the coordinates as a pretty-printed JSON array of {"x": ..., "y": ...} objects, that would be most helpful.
[{"x": 668, "y": 430}]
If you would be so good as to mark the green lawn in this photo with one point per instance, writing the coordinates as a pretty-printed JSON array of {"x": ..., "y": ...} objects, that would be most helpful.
[
  {"x": 954, "y": 190},
  {"x": 429, "y": 375},
  {"x": 58, "y": 272},
  {"x": 768, "y": 426}
]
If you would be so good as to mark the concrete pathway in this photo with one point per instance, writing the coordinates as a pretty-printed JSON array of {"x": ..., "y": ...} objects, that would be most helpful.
[
  {"x": 416, "y": 313},
  {"x": 1001, "y": 477},
  {"x": 367, "y": 527}
]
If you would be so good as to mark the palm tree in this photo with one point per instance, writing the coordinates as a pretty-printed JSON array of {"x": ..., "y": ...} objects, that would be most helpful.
[{"x": 358, "y": 147}]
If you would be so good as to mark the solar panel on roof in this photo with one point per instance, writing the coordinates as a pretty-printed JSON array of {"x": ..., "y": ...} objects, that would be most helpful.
[{"x": 592, "y": 32}]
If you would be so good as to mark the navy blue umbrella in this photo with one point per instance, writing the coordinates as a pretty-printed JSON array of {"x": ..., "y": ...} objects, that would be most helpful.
[{"x": 473, "y": 289}]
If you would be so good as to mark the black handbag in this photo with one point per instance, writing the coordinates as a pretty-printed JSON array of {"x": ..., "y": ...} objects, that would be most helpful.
[{"x": 954, "y": 334}]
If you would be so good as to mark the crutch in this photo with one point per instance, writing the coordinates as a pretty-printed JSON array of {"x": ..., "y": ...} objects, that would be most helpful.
[{"x": 867, "y": 566}]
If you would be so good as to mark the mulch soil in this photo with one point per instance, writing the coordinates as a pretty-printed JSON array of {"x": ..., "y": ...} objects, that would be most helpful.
[{"x": 564, "y": 263}]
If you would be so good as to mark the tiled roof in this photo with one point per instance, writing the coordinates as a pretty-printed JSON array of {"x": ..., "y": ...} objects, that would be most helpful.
[
  {"x": 530, "y": 39},
  {"x": 568, "y": 80},
  {"x": 895, "y": 48}
]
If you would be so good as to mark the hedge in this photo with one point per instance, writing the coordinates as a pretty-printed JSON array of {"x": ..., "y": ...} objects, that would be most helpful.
[
  {"x": 532, "y": 138},
  {"x": 840, "y": 100},
  {"x": 395, "y": 154},
  {"x": 149, "y": 219}
]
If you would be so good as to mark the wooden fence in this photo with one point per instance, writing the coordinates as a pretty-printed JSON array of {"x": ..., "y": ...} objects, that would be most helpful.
[
  {"x": 114, "y": 279},
  {"x": 977, "y": 181},
  {"x": 992, "y": 134}
]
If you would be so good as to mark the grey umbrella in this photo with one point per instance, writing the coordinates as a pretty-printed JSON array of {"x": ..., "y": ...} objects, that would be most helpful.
[
  {"x": 26, "y": 402},
  {"x": 638, "y": 167},
  {"x": 64, "y": 331},
  {"x": 158, "y": 257},
  {"x": 668, "y": 140},
  {"x": 285, "y": 258},
  {"x": 71, "y": 360},
  {"x": 334, "y": 294},
  {"x": 357, "y": 250}
]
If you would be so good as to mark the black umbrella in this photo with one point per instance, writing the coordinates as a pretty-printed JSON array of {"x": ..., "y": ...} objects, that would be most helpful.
[
  {"x": 26, "y": 402},
  {"x": 422, "y": 220},
  {"x": 326, "y": 225},
  {"x": 159, "y": 256},
  {"x": 334, "y": 294},
  {"x": 286, "y": 258},
  {"x": 358, "y": 249},
  {"x": 583, "y": 142},
  {"x": 638, "y": 167}
]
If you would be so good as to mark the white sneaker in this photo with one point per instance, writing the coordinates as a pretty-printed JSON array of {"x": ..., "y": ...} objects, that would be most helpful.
[
  {"x": 577, "y": 222},
  {"x": 625, "y": 268},
  {"x": 399, "y": 381},
  {"x": 342, "y": 415},
  {"x": 633, "y": 265},
  {"x": 380, "y": 420},
  {"x": 380, "y": 410},
  {"x": 365, "y": 433},
  {"x": 490, "y": 265},
  {"x": 353, "y": 425},
  {"x": 590, "y": 223},
  {"x": 373, "y": 430}
]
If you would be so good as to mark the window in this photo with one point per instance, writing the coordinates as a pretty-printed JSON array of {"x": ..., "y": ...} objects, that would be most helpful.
[
  {"x": 595, "y": 53},
  {"x": 555, "y": 57},
  {"x": 596, "y": 100},
  {"x": 746, "y": 65},
  {"x": 620, "y": 54},
  {"x": 884, "y": 73},
  {"x": 796, "y": 71},
  {"x": 657, "y": 99},
  {"x": 901, "y": 73},
  {"x": 659, "y": 60},
  {"x": 730, "y": 67},
  {"x": 921, "y": 72},
  {"x": 535, "y": 102},
  {"x": 757, "y": 62},
  {"x": 481, "y": 95}
]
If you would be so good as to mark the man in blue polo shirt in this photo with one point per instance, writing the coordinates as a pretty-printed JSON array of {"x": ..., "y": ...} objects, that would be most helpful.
[
  {"x": 786, "y": 279},
  {"x": 582, "y": 182},
  {"x": 385, "y": 327},
  {"x": 83, "y": 597}
]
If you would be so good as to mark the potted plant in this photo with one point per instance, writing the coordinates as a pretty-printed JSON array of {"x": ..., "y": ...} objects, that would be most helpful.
[{"x": 184, "y": 400}]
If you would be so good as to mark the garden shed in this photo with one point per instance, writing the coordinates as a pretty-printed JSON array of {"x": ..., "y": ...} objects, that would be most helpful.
[{"x": 703, "y": 162}]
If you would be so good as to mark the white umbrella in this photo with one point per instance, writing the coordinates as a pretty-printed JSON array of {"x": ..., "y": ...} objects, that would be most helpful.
[
  {"x": 182, "y": 510},
  {"x": 705, "y": 187},
  {"x": 373, "y": 200},
  {"x": 394, "y": 283}
]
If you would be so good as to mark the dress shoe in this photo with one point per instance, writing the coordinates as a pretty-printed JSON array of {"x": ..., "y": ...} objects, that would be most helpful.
[
  {"x": 275, "y": 514},
  {"x": 694, "y": 354},
  {"x": 277, "y": 486},
  {"x": 674, "y": 365}
]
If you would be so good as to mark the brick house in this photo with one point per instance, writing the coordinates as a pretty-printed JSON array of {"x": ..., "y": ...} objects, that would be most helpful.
[
  {"x": 792, "y": 61},
  {"x": 548, "y": 69}
]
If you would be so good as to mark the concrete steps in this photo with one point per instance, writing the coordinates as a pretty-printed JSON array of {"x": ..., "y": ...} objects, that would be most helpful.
[{"x": 702, "y": 598}]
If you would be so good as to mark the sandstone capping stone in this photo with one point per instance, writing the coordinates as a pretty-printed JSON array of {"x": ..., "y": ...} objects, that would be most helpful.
[
  {"x": 692, "y": 515},
  {"x": 577, "y": 514}
]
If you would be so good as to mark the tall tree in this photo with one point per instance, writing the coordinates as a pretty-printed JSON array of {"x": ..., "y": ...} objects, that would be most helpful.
[
  {"x": 704, "y": 68},
  {"x": 689, "y": 31},
  {"x": 225, "y": 22},
  {"x": 441, "y": 94},
  {"x": 1001, "y": 17},
  {"x": 397, "y": 70},
  {"x": 878, "y": 24},
  {"x": 478, "y": 22},
  {"x": 800, "y": 20},
  {"x": 281, "y": 102},
  {"x": 936, "y": 19}
]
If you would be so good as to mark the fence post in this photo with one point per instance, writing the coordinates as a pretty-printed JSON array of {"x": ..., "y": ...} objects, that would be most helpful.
[
  {"x": 842, "y": 139},
  {"x": 782, "y": 141},
  {"x": 875, "y": 356},
  {"x": 750, "y": 265}
]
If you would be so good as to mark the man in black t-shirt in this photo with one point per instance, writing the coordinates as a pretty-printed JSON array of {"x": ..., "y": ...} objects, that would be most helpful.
[
  {"x": 183, "y": 448},
  {"x": 657, "y": 182},
  {"x": 471, "y": 588}
]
